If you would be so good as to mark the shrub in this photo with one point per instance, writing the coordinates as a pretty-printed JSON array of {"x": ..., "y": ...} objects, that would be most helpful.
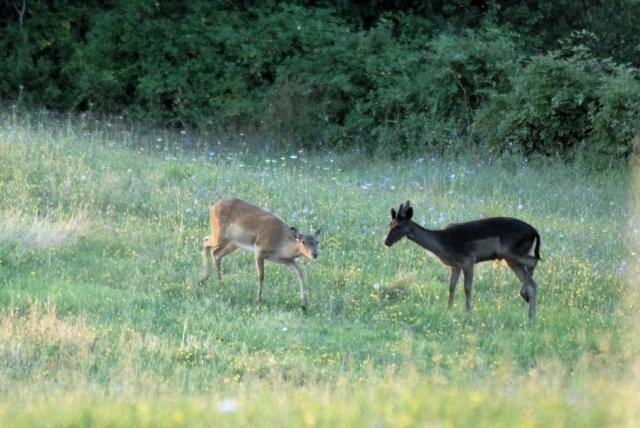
[
  {"x": 558, "y": 102},
  {"x": 367, "y": 89},
  {"x": 466, "y": 69},
  {"x": 212, "y": 71},
  {"x": 616, "y": 116}
]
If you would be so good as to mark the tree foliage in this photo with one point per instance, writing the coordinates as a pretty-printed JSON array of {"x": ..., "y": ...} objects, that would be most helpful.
[{"x": 544, "y": 76}]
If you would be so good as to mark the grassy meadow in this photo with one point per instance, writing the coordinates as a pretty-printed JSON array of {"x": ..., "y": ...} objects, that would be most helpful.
[{"x": 102, "y": 320}]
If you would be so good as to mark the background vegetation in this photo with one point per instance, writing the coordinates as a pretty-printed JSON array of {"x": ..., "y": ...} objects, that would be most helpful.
[{"x": 398, "y": 76}]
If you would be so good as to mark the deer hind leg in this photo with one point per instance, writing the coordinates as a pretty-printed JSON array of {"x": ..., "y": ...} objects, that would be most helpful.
[
  {"x": 529, "y": 262},
  {"x": 529, "y": 287},
  {"x": 206, "y": 252},
  {"x": 468, "y": 285},
  {"x": 453, "y": 282},
  {"x": 218, "y": 254},
  {"x": 533, "y": 289},
  {"x": 523, "y": 275}
]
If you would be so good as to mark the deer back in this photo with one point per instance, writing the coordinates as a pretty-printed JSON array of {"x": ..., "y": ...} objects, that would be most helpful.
[{"x": 252, "y": 228}]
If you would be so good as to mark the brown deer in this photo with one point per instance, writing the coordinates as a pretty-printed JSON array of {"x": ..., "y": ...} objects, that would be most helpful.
[
  {"x": 460, "y": 246},
  {"x": 238, "y": 224}
]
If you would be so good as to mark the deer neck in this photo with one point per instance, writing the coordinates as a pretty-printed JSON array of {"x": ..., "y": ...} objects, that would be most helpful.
[
  {"x": 290, "y": 250},
  {"x": 428, "y": 239}
]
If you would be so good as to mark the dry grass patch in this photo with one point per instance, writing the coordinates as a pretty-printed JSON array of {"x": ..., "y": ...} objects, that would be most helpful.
[
  {"x": 398, "y": 287},
  {"x": 41, "y": 339},
  {"x": 41, "y": 324},
  {"x": 41, "y": 232}
]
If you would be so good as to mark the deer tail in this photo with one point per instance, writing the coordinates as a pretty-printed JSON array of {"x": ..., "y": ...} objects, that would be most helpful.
[{"x": 536, "y": 251}]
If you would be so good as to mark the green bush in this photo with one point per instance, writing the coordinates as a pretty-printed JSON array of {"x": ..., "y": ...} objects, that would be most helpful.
[
  {"x": 616, "y": 120},
  {"x": 371, "y": 91},
  {"x": 465, "y": 69},
  {"x": 34, "y": 54},
  {"x": 558, "y": 102},
  {"x": 335, "y": 84},
  {"x": 422, "y": 96},
  {"x": 212, "y": 71}
]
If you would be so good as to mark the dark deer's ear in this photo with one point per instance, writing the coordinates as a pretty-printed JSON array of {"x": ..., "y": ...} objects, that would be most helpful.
[
  {"x": 393, "y": 214},
  {"x": 317, "y": 232},
  {"x": 407, "y": 204},
  {"x": 295, "y": 233},
  {"x": 408, "y": 213}
]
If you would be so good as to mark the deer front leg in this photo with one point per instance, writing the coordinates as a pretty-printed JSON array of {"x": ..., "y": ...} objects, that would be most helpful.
[
  {"x": 260, "y": 269},
  {"x": 303, "y": 293},
  {"x": 453, "y": 282},
  {"x": 468, "y": 285}
]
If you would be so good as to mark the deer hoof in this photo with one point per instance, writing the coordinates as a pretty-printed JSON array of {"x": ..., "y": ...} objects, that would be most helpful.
[
  {"x": 303, "y": 306},
  {"x": 524, "y": 295}
]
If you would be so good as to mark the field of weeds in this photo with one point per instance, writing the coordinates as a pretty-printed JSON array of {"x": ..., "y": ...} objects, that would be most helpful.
[{"x": 102, "y": 320}]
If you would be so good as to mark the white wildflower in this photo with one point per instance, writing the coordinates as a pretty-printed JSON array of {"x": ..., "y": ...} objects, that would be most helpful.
[{"x": 228, "y": 405}]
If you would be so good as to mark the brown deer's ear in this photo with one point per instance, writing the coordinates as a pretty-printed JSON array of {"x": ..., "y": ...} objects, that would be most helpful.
[
  {"x": 393, "y": 214},
  {"x": 295, "y": 233}
]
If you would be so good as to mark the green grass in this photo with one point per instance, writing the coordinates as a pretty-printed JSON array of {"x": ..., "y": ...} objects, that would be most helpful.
[{"x": 102, "y": 321}]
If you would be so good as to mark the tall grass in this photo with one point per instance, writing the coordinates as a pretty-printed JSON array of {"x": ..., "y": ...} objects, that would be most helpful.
[{"x": 102, "y": 322}]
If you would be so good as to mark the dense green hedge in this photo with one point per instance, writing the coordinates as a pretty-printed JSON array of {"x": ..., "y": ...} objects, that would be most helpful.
[
  {"x": 399, "y": 76},
  {"x": 561, "y": 100}
]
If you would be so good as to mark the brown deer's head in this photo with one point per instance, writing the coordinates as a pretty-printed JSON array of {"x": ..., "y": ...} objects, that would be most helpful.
[
  {"x": 307, "y": 244},
  {"x": 399, "y": 225}
]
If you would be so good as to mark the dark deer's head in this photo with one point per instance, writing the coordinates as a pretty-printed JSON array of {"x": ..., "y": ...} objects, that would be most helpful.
[{"x": 399, "y": 225}]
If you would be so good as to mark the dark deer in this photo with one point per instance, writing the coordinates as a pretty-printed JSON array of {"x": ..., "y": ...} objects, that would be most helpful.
[{"x": 460, "y": 246}]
